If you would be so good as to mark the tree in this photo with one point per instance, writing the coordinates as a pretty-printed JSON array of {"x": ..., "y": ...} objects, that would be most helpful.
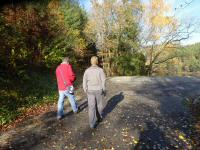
[
  {"x": 34, "y": 35},
  {"x": 113, "y": 26},
  {"x": 24, "y": 31},
  {"x": 41, "y": 33},
  {"x": 68, "y": 21},
  {"x": 161, "y": 32},
  {"x": 190, "y": 57}
]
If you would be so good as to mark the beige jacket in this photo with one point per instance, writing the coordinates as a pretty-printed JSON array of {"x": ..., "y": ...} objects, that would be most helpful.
[{"x": 94, "y": 79}]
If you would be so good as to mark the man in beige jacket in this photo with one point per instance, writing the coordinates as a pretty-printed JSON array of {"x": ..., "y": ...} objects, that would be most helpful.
[{"x": 94, "y": 85}]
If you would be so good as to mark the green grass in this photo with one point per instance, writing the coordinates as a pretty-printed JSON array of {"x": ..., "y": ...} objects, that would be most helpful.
[{"x": 34, "y": 88}]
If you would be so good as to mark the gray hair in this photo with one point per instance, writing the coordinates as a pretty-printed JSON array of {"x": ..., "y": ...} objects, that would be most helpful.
[{"x": 94, "y": 60}]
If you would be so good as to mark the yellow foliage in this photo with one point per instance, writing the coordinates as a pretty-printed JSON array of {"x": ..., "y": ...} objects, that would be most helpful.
[
  {"x": 53, "y": 7},
  {"x": 158, "y": 14},
  {"x": 160, "y": 5},
  {"x": 134, "y": 141},
  {"x": 54, "y": 4},
  {"x": 159, "y": 19}
]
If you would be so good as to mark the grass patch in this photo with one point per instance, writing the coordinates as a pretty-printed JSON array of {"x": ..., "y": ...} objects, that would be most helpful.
[{"x": 17, "y": 94}]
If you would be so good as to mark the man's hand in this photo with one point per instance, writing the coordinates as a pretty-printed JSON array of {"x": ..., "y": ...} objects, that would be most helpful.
[
  {"x": 85, "y": 90},
  {"x": 104, "y": 92}
]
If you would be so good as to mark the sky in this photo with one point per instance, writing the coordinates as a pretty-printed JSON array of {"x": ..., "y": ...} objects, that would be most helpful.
[
  {"x": 184, "y": 13},
  {"x": 190, "y": 12}
]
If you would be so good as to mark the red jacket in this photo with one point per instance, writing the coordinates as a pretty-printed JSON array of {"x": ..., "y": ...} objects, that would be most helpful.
[{"x": 67, "y": 74}]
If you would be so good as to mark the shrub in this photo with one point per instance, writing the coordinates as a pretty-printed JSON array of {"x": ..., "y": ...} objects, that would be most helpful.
[{"x": 130, "y": 64}]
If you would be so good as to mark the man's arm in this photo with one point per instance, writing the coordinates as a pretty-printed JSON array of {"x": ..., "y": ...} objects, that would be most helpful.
[
  {"x": 103, "y": 79},
  {"x": 72, "y": 75},
  {"x": 85, "y": 82}
]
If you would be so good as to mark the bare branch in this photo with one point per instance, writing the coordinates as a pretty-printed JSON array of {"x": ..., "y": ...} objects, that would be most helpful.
[
  {"x": 175, "y": 37},
  {"x": 184, "y": 5},
  {"x": 165, "y": 60}
]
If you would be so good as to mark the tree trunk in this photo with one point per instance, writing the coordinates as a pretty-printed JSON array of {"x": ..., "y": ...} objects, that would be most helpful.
[{"x": 150, "y": 69}]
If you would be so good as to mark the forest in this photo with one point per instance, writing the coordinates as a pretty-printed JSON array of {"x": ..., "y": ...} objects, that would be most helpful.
[{"x": 130, "y": 38}]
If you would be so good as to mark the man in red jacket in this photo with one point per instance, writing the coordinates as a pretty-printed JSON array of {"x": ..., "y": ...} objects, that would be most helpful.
[{"x": 65, "y": 78}]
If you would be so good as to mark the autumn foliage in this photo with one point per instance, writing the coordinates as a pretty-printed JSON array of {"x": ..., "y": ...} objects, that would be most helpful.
[{"x": 35, "y": 36}]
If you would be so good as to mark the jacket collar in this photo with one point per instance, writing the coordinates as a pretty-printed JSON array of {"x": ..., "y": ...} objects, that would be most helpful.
[{"x": 94, "y": 66}]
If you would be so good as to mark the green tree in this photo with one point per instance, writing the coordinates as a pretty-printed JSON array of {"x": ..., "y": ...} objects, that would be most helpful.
[
  {"x": 113, "y": 26},
  {"x": 130, "y": 64},
  {"x": 68, "y": 20}
]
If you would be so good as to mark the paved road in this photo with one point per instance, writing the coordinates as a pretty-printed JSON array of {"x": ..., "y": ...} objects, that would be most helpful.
[{"x": 140, "y": 113}]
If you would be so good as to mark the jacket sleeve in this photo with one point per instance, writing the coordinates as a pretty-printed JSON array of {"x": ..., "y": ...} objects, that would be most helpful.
[
  {"x": 72, "y": 75},
  {"x": 85, "y": 82},
  {"x": 103, "y": 79}
]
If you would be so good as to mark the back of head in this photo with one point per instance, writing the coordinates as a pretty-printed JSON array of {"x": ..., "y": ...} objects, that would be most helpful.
[
  {"x": 94, "y": 60},
  {"x": 65, "y": 60}
]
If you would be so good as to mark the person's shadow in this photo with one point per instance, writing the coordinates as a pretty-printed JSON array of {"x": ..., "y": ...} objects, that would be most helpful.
[
  {"x": 112, "y": 103},
  {"x": 83, "y": 104},
  {"x": 152, "y": 137}
]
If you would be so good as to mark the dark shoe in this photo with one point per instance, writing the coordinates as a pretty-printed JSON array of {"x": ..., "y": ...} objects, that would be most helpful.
[
  {"x": 76, "y": 112},
  {"x": 93, "y": 127},
  {"x": 100, "y": 119}
]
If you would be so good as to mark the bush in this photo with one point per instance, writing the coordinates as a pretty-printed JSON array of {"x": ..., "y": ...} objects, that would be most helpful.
[{"x": 130, "y": 64}]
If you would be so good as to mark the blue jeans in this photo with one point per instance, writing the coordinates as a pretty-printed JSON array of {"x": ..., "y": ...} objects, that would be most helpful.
[{"x": 72, "y": 100}]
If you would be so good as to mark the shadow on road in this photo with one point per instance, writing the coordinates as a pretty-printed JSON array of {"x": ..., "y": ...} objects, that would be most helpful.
[
  {"x": 112, "y": 103},
  {"x": 81, "y": 107},
  {"x": 167, "y": 124},
  {"x": 155, "y": 111},
  {"x": 37, "y": 130},
  {"x": 152, "y": 138}
]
